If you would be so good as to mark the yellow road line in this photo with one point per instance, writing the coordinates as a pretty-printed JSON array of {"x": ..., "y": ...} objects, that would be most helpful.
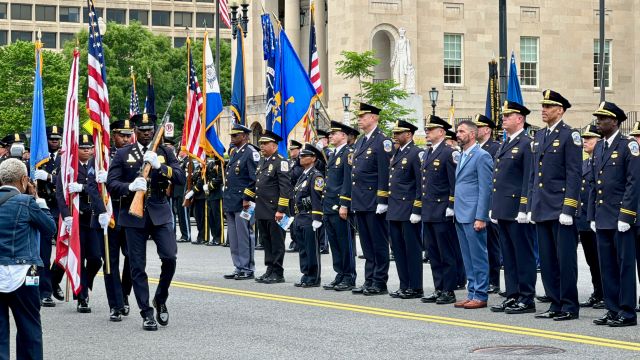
[{"x": 562, "y": 336}]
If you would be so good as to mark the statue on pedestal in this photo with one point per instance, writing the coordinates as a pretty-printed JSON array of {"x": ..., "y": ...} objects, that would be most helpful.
[{"x": 403, "y": 70}]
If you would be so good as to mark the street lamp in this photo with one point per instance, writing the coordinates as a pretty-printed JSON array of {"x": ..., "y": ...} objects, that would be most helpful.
[
  {"x": 346, "y": 101},
  {"x": 243, "y": 19},
  {"x": 433, "y": 96}
]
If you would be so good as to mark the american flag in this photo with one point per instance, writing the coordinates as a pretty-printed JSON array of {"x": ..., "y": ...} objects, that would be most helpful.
[
  {"x": 192, "y": 132},
  {"x": 134, "y": 106},
  {"x": 224, "y": 13},
  {"x": 314, "y": 63}
]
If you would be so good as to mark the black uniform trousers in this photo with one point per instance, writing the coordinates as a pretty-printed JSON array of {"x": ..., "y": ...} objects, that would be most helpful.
[
  {"x": 516, "y": 243},
  {"x": 24, "y": 303},
  {"x": 407, "y": 250},
  {"x": 112, "y": 281},
  {"x": 493, "y": 250},
  {"x": 272, "y": 236},
  {"x": 183, "y": 217},
  {"x": 374, "y": 240},
  {"x": 558, "y": 264},
  {"x": 461, "y": 275},
  {"x": 46, "y": 288},
  {"x": 590, "y": 248},
  {"x": 167, "y": 249},
  {"x": 214, "y": 207},
  {"x": 198, "y": 213},
  {"x": 441, "y": 247},
  {"x": 91, "y": 258},
  {"x": 309, "y": 253},
  {"x": 340, "y": 240},
  {"x": 617, "y": 255}
]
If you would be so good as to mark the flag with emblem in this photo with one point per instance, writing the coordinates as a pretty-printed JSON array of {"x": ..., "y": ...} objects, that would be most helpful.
[
  {"x": 192, "y": 132},
  {"x": 39, "y": 145},
  {"x": 68, "y": 240},
  {"x": 492, "y": 105},
  {"x": 239, "y": 95},
  {"x": 269, "y": 47},
  {"x": 212, "y": 105}
]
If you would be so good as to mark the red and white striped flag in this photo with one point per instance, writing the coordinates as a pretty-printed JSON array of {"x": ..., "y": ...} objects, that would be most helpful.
[
  {"x": 68, "y": 243},
  {"x": 193, "y": 132},
  {"x": 224, "y": 13},
  {"x": 314, "y": 62}
]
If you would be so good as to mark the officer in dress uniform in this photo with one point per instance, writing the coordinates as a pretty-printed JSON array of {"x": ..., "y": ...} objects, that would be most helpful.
[
  {"x": 613, "y": 207},
  {"x": 554, "y": 192},
  {"x": 307, "y": 201},
  {"x": 90, "y": 259},
  {"x": 296, "y": 172},
  {"x": 177, "y": 199},
  {"x": 437, "y": 196},
  {"x": 369, "y": 199},
  {"x": 336, "y": 204},
  {"x": 124, "y": 181},
  {"x": 635, "y": 132},
  {"x": 321, "y": 165},
  {"x": 587, "y": 237},
  {"x": 271, "y": 193},
  {"x": 405, "y": 208},
  {"x": 213, "y": 184},
  {"x": 486, "y": 127},
  {"x": 511, "y": 172},
  {"x": 240, "y": 174},
  {"x": 199, "y": 196}
]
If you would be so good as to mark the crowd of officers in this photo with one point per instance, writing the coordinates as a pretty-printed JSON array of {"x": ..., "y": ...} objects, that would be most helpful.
[{"x": 549, "y": 192}]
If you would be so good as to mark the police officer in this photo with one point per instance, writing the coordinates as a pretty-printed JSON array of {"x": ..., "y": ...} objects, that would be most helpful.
[
  {"x": 240, "y": 174},
  {"x": 296, "y": 172},
  {"x": 307, "y": 201},
  {"x": 486, "y": 127},
  {"x": 437, "y": 197},
  {"x": 271, "y": 193},
  {"x": 613, "y": 207},
  {"x": 369, "y": 199},
  {"x": 177, "y": 195},
  {"x": 511, "y": 172},
  {"x": 635, "y": 132},
  {"x": 587, "y": 237},
  {"x": 198, "y": 194},
  {"x": 124, "y": 181},
  {"x": 336, "y": 204},
  {"x": 554, "y": 192},
  {"x": 90, "y": 259},
  {"x": 213, "y": 186},
  {"x": 323, "y": 145},
  {"x": 405, "y": 207}
]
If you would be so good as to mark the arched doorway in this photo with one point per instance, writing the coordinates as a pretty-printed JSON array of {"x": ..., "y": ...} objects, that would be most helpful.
[
  {"x": 256, "y": 131},
  {"x": 382, "y": 43}
]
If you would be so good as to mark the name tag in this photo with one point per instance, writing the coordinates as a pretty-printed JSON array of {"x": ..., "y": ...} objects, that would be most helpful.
[{"x": 32, "y": 278}]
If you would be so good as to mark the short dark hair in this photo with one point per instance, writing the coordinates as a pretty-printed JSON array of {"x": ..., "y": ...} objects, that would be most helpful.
[{"x": 470, "y": 124}]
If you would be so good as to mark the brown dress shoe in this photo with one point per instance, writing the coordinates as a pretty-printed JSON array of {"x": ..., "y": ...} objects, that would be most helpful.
[
  {"x": 460, "y": 304},
  {"x": 475, "y": 304}
]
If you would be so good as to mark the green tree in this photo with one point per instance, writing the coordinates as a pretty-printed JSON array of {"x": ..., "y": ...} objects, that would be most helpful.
[{"x": 382, "y": 94}]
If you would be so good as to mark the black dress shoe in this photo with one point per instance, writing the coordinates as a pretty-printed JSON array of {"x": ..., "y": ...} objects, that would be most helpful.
[
  {"x": 331, "y": 285},
  {"x": 590, "y": 301},
  {"x": 520, "y": 308},
  {"x": 57, "y": 293},
  {"x": 548, "y": 314},
  {"x": 83, "y": 306},
  {"x": 374, "y": 290},
  {"x": 493, "y": 289},
  {"x": 359, "y": 290},
  {"x": 343, "y": 286},
  {"x": 162, "y": 314},
  {"x": 260, "y": 279},
  {"x": 604, "y": 320},
  {"x": 412, "y": 294},
  {"x": 543, "y": 299},
  {"x": 273, "y": 279},
  {"x": 396, "y": 294},
  {"x": 446, "y": 297},
  {"x": 182, "y": 239},
  {"x": 622, "y": 321},
  {"x": 244, "y": 276},
  {"x": 149, "y": 324},
  {"x": 431, "y": 298},
  {"x": 47, "y": 302},
  {"x": 566, "y": 316},
  {"x": 125, "y": 308},
  {"x": 225, "y": 244},
  {"x": 600, "y": 305},
  {"x": 114, "y": 315},
  {"x": 310, "y": 284},
  {"x": 230, "y": 276},
  {"x": 297, "y": 284},
  {"x": 503, "y": 294},
  {"x": 502, "y": 306}
]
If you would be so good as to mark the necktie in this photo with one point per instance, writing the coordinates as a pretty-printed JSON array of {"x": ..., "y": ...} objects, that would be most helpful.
[
  {"x": 463, "y": 159},
  {"x": 144, "y": 149},
  {"x": 52, "y": 157},
  {"x": 606, "y": 145},
  {"x": 508, "y": 140}
]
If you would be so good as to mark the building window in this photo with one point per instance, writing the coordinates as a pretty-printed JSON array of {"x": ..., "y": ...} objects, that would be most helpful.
[
  {"x": 182, "y": 19},
  {"x": 204, "y": 18},
  {"x": 21, "y": 36},
  {"x": 49, "y": 40},
  {"x": 607, "y": 64},
  {"x": 529, "y": 61},
  {"x": 85, "y": 14},
  {"x": 453, "y": 59},
  {"x": 142, "y": 16},
  {"x": 45, "y": 13},
  {"x": 20, "y": 12},
  {"x": 65, "y": 37},
  {"x": 118, "y": 16},
  {"x": 3, "y": 11},
  {"x": 3, "y": 37},
  {"x": 179, "y": 42},
  {"x": 161, "y": 18},
  {"x": 69, "y": 14}
]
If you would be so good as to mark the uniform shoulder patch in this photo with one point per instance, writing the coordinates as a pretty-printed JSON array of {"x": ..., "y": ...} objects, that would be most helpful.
[
  {"x": 421, "y": 155},
  {"x": 256, "y": 156},
  {"x": 350, "y": 158},
  {"x": 577, "y": 139},
  {"x": 284, "y": 166},
  {"x": 634, "y": 148},
  {"x": 455, "y": 155},
  {"x": 318, "y": 183},
  {"x": 388, "y": 145}
]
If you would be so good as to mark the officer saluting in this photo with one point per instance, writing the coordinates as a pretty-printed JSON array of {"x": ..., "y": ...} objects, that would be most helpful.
[
  {"x": 613, "y": 207},
  {"x": 124, "y": 181},
  {"x": 554, "y": 190}
]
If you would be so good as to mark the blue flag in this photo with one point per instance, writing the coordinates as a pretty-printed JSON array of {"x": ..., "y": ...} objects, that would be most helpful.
[
  {"x": 269, "y": 47},
  {"x": 39, "y": 144},
  {"x": 513, "y": 88},
  {"x": 297, "y": 93},
  {"x": 212, "y": 105},
  {"x": 239, "y": 95}
]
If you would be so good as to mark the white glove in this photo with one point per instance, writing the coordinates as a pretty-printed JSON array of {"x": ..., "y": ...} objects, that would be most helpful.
[
  {"x": 529, "y": 218},
  {"x": 41, "y": 175},
  {"x": 42, "y": 203},
  {"x": 74, "y": 187},
  {"x": 101, "y": 176},
  {"x": 205, "y": 187},
  {"x": 522, "y": 218},
  {"x": 68, "y": 222},
  {"x": 152, "y": 158},
  {"x": 316, "y": 224},
  {"x": 623, "y": 226},
  {"x": 566, "y": 219},
  {"x": 139, "y": 184},
  {"x": 103, "y": 220},
  {"x": 188, "y": 195},
  {"x": 592, "y": 225},
  {"x": 493, "y": 221},
  {"x": 252, "y": 204},
  {"x": 381, "y": 208},
  {"x": 448, "y": 212},
  {"x": 319, "y": 145},
  {"x": 415, "y": 218}
]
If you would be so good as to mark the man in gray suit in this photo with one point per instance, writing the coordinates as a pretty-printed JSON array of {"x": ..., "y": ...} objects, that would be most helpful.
[{"x": 471, "y": 211}]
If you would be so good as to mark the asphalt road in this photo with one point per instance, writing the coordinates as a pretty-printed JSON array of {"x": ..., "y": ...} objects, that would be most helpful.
[{"x": 214, "y": 318}]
